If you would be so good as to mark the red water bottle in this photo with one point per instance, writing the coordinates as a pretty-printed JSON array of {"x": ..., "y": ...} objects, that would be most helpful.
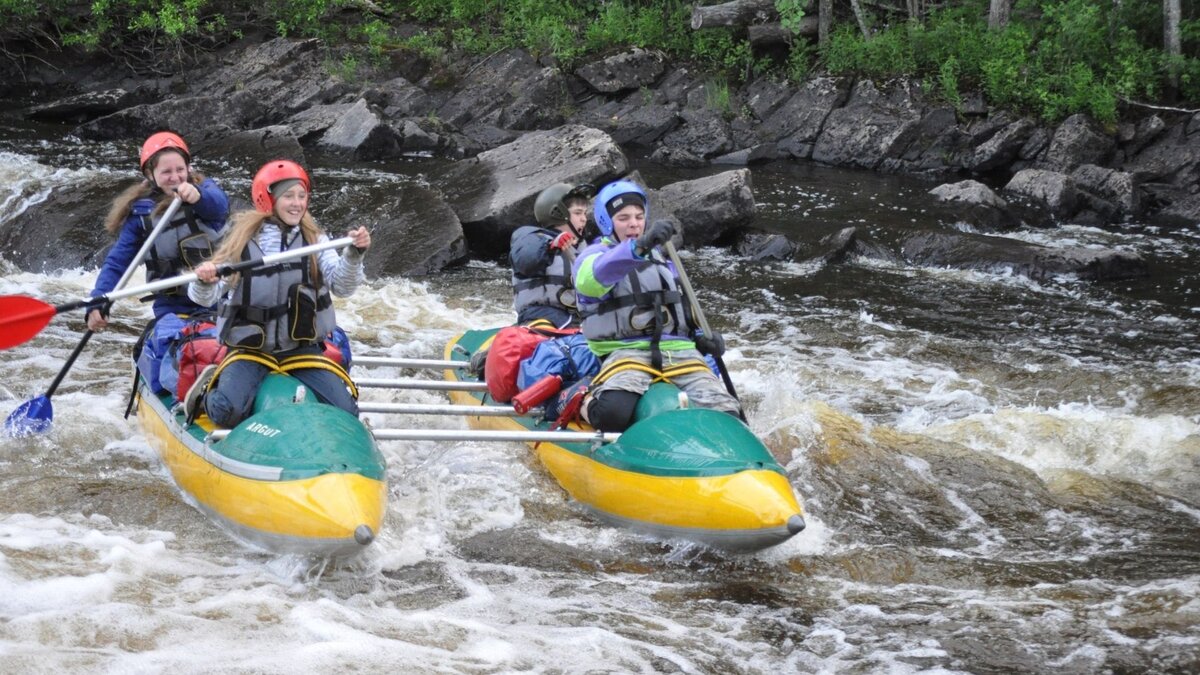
[{"x": 537, "y": 393}]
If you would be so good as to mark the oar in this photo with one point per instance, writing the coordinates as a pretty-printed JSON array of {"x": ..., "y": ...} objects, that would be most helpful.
[
  {"x": 36, "y": 415},
  {"x": 22, "y": 317},
  {"x": 698, "y": 312}
]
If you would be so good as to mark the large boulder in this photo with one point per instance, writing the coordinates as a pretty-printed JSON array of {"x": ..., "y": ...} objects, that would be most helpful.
[
  {"x": 873, "y": 125},
  {"x": 795, "y": 124},
  {"x": 628, "y": 70},
  {"x": 708, "y": 208},
  {"x": 284, "y": 75},
  {"x": 1002, "y": 148},
  {"x": 1078, "y": 140},
  {"x": 413, "y": 233},
  {"x": 632, "y": 121},
  {"x": 89, "y": 105},
  {"x": 703, "y": 134},
  {"x": 1002, "y": 255},
  {"x": 1111, "y": 193},
  {"x": 254, "y": 147},
  {"x": 490, "y": 84},
  {"x": 361, "y": 133},
  {"x": 195, "y": 117},
  {"x": 64, "y": 230},
  {"x": 493, "y": 193},
  {"x": 931, "y": 146},
  {"x": 1056, "y": 192},
  {"x": 975, "y": 203}
]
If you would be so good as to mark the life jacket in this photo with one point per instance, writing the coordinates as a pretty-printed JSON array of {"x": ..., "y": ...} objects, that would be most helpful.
[
  {"x": 183, "y": 244},
  {"x": 511, "y": 346},
  {"x": 553, "y": 288},
  {"x": 276, "y": 308},
  {"x": 646, "y": 303}
]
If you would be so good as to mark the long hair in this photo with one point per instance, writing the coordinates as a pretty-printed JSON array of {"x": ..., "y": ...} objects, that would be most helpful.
[
  {"x": 123, "y": 204},
  {"x": 247, "y": 224}
]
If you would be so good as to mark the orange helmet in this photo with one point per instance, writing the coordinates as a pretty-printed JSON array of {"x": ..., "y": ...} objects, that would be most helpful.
[
  {"x": 272, "y": 172},
  {"x": 161, "y": 141}
]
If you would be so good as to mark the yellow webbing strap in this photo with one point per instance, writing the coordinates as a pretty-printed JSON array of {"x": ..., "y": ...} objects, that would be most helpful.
[
  {"x": 664, "y": 375},
  {"x": 318, "y": 361},
  {"x": 236, "y": 355}
]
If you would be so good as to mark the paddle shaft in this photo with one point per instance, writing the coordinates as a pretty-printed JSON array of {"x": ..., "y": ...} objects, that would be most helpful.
[
  {"x": 698, "y": 312},
  {"x": 222, "y": 270},
  {"x": 129, "y": 271}
]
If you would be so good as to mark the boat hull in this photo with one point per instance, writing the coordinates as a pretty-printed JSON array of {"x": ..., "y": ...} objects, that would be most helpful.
[
  {"x": 292, "y": 478},
  {"x": 691, "y": 474}
]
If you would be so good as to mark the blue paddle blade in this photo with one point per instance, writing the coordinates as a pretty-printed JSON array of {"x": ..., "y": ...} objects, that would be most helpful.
[{"x": 32, "y": 417}]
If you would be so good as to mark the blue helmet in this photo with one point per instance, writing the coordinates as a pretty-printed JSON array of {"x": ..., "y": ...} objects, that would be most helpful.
[{"x": 612, "y": 198}]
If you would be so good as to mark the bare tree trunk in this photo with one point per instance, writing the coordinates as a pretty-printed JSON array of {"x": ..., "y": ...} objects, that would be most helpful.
[
  {"x": 862, "y": 19},
  {"x": 736, "y": 13},
  {"x": 824, "y": 21},
  {"x": 999, "y": 12},
  {"x": 914, "y": 10},
  {"x": 762, "y": 34},
  {"x": 1171, "y": 43}
]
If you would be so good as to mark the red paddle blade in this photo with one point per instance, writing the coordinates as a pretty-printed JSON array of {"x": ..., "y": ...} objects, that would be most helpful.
[{"x": 21, "y": 318}]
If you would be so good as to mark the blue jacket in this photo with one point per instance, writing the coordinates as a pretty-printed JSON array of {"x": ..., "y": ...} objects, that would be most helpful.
[{"x": 212, "y": 209}]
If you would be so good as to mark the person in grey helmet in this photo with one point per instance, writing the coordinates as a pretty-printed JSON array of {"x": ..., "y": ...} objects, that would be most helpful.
[{"x": 542, "y": 255}]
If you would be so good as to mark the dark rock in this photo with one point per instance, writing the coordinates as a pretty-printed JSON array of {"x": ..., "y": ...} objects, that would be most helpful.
[
  {"x": 284, "y": 76},
  {"x": 488, "y": 136},
  {"x": 975, "y": 203},
  {"x": 1119, "y": 190},
  {"x": 762, "y": 152},
  {"x": 764, "y": 96},
  {"x": 796, "y": 124},
  {"x": 490, "y": 84},
  {"x": 415, "y": 138},
  {"x": 677, "y": 157},
  {"x": 1144, "y": 132},
  {"x": 307, "y": 124},
  {"x": 415, "y": 234},
  {"x": 632, "y": 122},
  {"x": 709, "y": 208},
  {"x": 63, "y": 231},
  {"x": 88, "y": 106},
  {"x": 399, "y": 97},
  {"x": 1078, "y": 140},
  {"x": 1184, "y": 212},
  {"x": 361, "y": 133},
  {"x": 928, "y": 147},
  {"x": 194, "y": 117},
  {"x": 998, "y": 254},
  {"x": 871, "y": 126},
  {"x": 1173, "y": 157},
  {"x": 628, "y": 70},
  {"x": 762, "y": 246},
  {"x": 973, "y": 104},
  {"x": 1036, "y": 145},
  {"x": 675, "y": 86},
  {"x": 255, "y": 147},
  {"x": 703, "y": 134},
  {"x": 835, "y": 248},
  {"x": 1002, "y": 147},
  {"x": 1053, "y": 190},
  {"x": 541, "y": 104},
  {"x": 493, "y": 193}
]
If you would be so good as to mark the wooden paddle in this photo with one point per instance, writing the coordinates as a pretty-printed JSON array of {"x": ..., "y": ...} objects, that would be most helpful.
[
  {"x": 36, "y": 415},
  {"x": 22, "y": 317}
]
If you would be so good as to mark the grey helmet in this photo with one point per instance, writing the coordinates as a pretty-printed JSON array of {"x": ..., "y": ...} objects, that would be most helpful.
[{"x": 550, "y": 208}]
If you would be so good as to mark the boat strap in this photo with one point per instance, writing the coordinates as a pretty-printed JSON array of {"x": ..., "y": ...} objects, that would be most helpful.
[
  {"x": 298, "y": 362},
  {"x": 664, "y": 375}
]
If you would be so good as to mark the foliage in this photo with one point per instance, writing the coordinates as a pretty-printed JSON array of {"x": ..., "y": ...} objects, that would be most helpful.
[{"x": 1055, "y": 58}]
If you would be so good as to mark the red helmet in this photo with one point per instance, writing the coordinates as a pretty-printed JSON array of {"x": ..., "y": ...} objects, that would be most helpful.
[
  {"x": 161, "y": 141},
  {"x": 271, "y": 173}
]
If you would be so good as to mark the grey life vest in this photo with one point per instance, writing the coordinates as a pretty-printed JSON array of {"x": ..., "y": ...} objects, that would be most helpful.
[
  {"x": 552, "y": 288},
  {"x": 182, "y": 245},
  {"x": 646, "y": 303},
  {"x": 276, "y": 308}
]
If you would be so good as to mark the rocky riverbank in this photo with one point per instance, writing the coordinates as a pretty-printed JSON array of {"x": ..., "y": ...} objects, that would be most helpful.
[{"x": 515, "y": 125}]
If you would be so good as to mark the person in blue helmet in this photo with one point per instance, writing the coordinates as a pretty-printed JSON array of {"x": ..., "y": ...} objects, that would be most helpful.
[
  {"x": 541, "y": 255},
  {"x": 634, "y": 316}
]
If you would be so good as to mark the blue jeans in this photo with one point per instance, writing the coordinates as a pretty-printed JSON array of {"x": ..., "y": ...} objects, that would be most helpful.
[{"x": 232, "y": 400}]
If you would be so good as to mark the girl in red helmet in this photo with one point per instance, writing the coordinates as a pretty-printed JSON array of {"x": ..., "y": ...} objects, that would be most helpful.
[
  {"x": 275, "y": 317},
  {"x": 192, "y": 236}
]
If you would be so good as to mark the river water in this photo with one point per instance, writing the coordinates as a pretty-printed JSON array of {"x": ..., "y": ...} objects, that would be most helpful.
[{"x": 999, "y": 475}]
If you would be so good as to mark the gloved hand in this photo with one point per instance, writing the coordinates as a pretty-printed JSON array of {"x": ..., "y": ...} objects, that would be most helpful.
[
  {"x": 658, "y": 233},
  {"x": 713, "y": 344},
  {"x": 563, "y": 240}
]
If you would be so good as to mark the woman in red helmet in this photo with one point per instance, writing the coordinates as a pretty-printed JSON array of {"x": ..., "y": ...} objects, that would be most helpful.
[
  {"x": 275, "y": 317},
  {"x": 191, "y": 237}
]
